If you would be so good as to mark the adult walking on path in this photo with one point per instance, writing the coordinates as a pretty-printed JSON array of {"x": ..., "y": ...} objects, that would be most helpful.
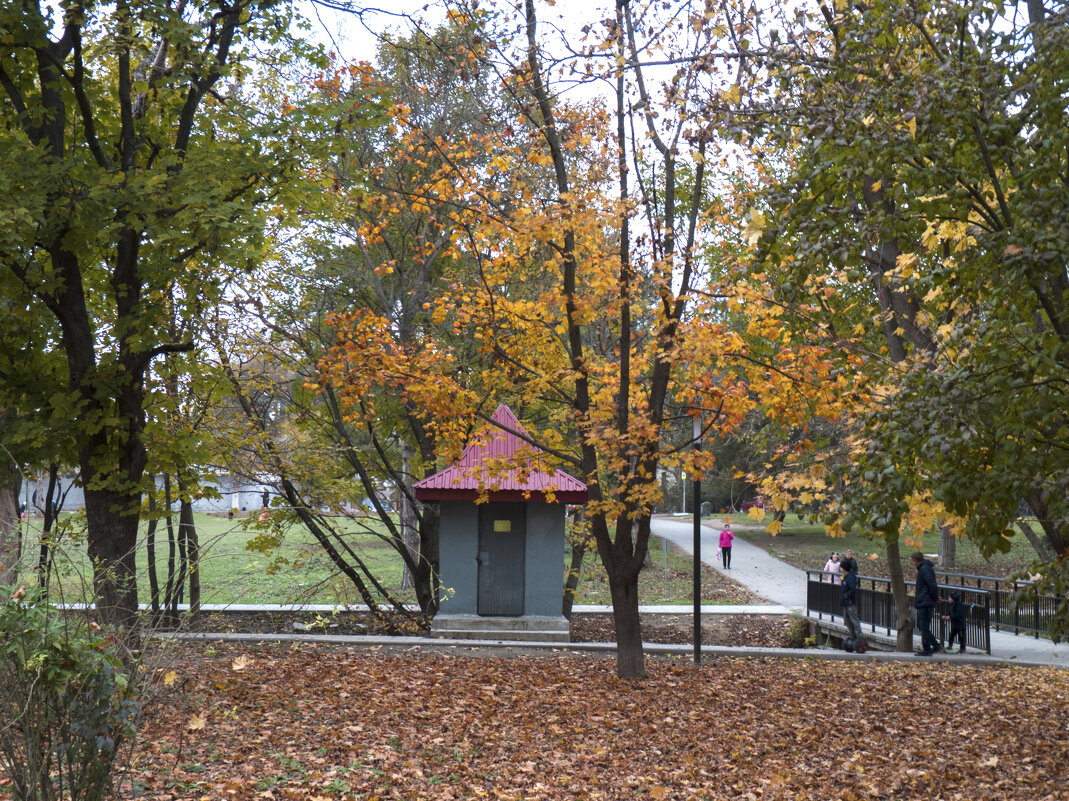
[
  {"x": 726, "y": 536},
  {"x": 925, "y": 600}
]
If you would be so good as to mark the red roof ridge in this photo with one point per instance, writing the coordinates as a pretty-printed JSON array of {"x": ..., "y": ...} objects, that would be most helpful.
[{"x": 488, "y": 467}]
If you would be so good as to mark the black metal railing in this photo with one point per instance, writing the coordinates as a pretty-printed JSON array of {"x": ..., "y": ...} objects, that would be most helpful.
[
  {"x": 1033, "y": 614},
  {"x": 876, "y": 606}
]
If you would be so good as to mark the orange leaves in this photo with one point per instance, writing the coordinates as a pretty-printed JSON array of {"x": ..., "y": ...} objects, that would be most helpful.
[
  {"x": 352, "y": 724},
  {"x": 367, "y": 357}
]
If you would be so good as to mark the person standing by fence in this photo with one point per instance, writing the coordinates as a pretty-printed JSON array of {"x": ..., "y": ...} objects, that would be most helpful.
[
  {"x": 925, "y": 600},
  {"x": 726, "y": 536},
  {"x": 956, "y": 618},
  {"x": 832, "y": 566},
  {"x": 848, "y": 598}
]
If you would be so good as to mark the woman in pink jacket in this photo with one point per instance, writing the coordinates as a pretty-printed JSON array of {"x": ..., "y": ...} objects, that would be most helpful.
[{"x": 725, "y": 545}]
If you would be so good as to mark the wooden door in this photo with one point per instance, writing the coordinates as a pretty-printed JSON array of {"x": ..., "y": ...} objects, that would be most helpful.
[{"x": 502, "y": 561}]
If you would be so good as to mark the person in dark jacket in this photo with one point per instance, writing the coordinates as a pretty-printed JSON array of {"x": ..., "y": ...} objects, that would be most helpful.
[
  {"x": 926, "y": 598},
  {"x": 848, "y": 598},
  {"x": 957, "y": 622}
]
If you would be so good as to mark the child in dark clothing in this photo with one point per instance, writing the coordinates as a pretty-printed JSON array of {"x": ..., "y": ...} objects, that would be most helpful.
[{"x": 957, "y": 622}]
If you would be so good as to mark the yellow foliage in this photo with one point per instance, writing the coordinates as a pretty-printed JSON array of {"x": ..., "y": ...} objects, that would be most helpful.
[{"x": 755, "y": 224}]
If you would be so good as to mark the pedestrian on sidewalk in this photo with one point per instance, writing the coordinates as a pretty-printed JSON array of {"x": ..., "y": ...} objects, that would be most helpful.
[
  {"x": 957, "y": 622},
  {"x": 726, "y": 536},
  {"x": 848, "y": 598},
  {"x": 924, "y": 602}
]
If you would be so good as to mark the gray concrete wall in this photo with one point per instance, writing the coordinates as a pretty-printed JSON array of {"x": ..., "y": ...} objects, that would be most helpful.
[
  {"x": 544, "y": 578},
  {"x": 544, "y": 557},
  {"x": 459, "y": 539},
  {"x": 72, "y": 495}
]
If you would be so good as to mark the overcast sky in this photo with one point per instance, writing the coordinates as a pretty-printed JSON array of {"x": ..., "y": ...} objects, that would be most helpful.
[{"x": 353, "y": 36}]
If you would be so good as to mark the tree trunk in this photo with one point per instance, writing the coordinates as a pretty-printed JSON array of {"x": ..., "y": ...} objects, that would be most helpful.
[
  {"x": 903, "y": 611},
  {"x": 111, "y": 519},
  {"x": 948, "y": 549},
  {"x": 1057, "y": 532},
  {"x": 187, "y": 532},
  {"x": 170, "y": 603},
  {"x": 426, "y": 576},
  {"x": 407, "y": 517},
  {"x": 647, "y": 560},
  {"x": 187, "y": 536},
  {"x": 630, "y": 659},
  {"x": 46, "y": 547},
  {"x": 150, "y": 556},
  {"x": 1039, "y": 544},
  {"x": 183, "y": 565},
  {"x": 580, "y": 543},
  {"x": 51, "y": 501},
  {"x": 10, "y": 525}
]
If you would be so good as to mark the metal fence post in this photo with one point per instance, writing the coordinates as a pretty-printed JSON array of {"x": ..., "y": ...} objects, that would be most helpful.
[{"x": 1016, "y": 612}]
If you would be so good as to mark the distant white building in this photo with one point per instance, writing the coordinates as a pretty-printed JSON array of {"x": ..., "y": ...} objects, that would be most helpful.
[{"x": 234, "y": 494}]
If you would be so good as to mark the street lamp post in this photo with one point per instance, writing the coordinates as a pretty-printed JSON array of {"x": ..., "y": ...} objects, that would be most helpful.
[{"x": 697, "y": 501}]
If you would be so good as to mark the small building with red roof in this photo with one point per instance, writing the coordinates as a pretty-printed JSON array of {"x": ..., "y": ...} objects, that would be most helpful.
[{"x": 501, "y": 536}]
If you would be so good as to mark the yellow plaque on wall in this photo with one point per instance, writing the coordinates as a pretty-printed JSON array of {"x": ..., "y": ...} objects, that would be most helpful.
[{"x": 502, "y": 526}]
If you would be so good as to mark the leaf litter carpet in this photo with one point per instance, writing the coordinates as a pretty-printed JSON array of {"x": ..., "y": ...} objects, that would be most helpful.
[{"x": 321, "y": 723}]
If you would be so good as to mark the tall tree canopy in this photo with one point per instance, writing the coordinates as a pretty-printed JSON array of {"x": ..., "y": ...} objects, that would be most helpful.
[
  {"x": 574, "y": 289},
  {"x": 134, "y": 172},
  {"x": 923, "y": 221}
]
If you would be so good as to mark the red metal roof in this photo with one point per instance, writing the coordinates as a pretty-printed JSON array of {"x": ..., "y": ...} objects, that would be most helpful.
[{"x": 503, "y": 465}]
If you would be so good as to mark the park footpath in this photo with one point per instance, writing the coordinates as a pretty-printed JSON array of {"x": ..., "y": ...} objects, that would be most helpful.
[
  {"x": 781, "y": 586},
  {"x": 785, "y": 585}
]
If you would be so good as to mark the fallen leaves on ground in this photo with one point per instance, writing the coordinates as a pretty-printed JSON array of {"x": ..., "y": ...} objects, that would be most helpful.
[
  {"x": 323, "y": 723},
  {"x": 768, "y": 631}
]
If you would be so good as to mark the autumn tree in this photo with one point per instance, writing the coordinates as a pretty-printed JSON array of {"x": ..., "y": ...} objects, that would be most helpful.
[
  {"x": 133, "y": 168},
  {"x": 261, "y": 436},
  {"x": 583, "y": 293},
  {"x": 367, "y": 249},
  {"x": 919, "y": 221},
  {"x": 387, "y": 254}
]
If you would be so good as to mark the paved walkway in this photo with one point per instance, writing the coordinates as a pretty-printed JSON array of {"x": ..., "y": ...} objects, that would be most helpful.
[
  {"x": 776, "y": 581},
  {"x": 785, "y": 585}
]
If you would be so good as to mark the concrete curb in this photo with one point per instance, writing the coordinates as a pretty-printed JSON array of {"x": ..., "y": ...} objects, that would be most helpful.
[{"x": 648, "y": 609}]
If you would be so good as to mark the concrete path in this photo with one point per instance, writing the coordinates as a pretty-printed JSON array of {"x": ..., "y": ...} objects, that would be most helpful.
[
  {"x": 775, "y": 581},
  {"x": 785, "y": 585}
]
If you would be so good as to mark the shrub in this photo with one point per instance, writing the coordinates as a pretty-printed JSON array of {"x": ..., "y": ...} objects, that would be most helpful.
[
  {"x": 65, "y": 701},
  {"x": 797, "y": 633}
]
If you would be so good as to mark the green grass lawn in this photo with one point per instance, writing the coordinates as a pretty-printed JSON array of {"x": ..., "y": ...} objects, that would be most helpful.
[
  {"x": 663, "y": 581},
  {"x": 299, "y": 571},
  {"x": 805, "y": 545}
]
